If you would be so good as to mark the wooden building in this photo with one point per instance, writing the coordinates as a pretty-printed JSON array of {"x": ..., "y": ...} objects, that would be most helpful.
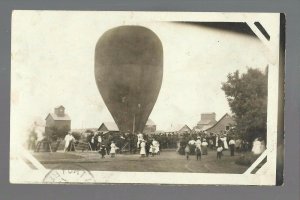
[
  {"x": 222, "y": 126},
  {"x": 179, "y": 129},
  {"x": 108, "y": 127},
  {"x": 58, "y": 122},
  {"x": 150, "y": 127},
  {"x": 207, "y": 120}
]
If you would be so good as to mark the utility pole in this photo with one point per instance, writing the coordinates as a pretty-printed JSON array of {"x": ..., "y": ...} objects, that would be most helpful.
[{"x": 133, "y": 125}]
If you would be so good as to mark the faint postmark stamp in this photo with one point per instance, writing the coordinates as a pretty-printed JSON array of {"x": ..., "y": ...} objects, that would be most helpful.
[{"x": 69, "y": 173}]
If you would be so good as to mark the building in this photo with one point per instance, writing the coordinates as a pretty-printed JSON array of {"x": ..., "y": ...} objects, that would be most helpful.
[
  {"x": 58, "y": 122},
  {"x": 223, "y": 125},
  {"x": 150, "y": 127},
  {"x": 179, "y": 129},
  {"x": 185, "y": 129},
  {"x": 207, "y": 120},
  {"x": 108, "y": 127}
]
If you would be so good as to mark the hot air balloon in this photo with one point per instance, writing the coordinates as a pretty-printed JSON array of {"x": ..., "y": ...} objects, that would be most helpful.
[{"x": 128, "y": 73}]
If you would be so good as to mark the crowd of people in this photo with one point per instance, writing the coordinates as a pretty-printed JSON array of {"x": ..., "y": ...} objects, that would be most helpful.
[
  {"x": 112, "y": 143},
  {"x": 148, "y": 147},
  {"x": 200, "y": 146},
  {"x": 186, "y": 144},
  {"x": 130, "y": 142}
]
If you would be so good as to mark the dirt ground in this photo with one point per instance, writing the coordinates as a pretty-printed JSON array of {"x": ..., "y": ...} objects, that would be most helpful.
[{"x": 167, "y": 161}]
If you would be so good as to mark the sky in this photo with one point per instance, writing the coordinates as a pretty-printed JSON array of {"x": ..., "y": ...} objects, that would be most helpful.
[{"x": 53, "y": 64}]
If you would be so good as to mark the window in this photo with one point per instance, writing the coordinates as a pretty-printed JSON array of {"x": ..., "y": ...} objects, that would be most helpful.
[{"x": 227, "y": 128}]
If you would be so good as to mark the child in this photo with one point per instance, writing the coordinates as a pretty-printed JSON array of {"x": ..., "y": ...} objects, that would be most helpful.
[
  {"x": 151, "y": 150},
  {"x": 113, "y": 149},
  {"x": 102, "y": 151},
  {"x": 187, "y": 151},
  {"x": 219, "y": 152}
]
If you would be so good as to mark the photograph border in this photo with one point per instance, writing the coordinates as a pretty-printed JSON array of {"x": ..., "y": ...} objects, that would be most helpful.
[
  {"x": 265, "y": 176},
  {"x": 291, "y": 171}
]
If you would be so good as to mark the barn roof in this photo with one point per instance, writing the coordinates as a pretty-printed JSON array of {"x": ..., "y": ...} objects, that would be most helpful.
[
  {"x": 205, "y": 121},
  {"x": 185, "y": 126},
  {"x": 205, "y": 127},
  {"x": 111, "y": 126},
  {"x": 177, "y": 127},
  {"x": 218, "y": 121},
  {"x": 57, "y": 118}
]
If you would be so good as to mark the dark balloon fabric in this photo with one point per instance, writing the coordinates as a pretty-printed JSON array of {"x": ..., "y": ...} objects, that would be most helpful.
[{"x": 128, "y": 73}]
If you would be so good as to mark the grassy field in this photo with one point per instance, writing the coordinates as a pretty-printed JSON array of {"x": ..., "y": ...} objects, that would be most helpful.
[{"x": 168, "y": 161}]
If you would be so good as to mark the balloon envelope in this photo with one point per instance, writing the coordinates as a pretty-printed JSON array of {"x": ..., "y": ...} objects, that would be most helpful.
[{"x": 128, "y": 73}]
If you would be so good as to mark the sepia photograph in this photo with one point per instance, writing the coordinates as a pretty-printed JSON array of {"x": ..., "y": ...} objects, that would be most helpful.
[{"x": 146, "y": 97}]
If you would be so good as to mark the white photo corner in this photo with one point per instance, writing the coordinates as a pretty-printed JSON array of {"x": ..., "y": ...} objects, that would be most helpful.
[{"x": 146, "y": 97}]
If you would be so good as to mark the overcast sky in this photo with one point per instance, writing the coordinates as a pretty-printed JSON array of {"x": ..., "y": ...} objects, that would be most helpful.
[{"x": 53, "y": 64}]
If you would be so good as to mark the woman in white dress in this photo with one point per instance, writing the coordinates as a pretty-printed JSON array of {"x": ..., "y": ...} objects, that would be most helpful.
[
  {"x": 113, "y": 148},
  {"x": 204, "y": 147},
  {"x": 68, "y": 141},
  {"x": 258, "y": 146},
  {"x": 154, "y": 147},
  {"x": 198, "y": 143},
  {"x": 140, "y": 139},
  {"x": 224, "y": 140},
  {"x": 157, "y": 152},
  {"x": 143, "y": 148}
]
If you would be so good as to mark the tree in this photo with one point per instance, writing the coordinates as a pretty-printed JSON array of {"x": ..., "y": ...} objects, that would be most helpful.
[
  {"x": 54, "y": 133},
  {"x": 247, "y": 97}
]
